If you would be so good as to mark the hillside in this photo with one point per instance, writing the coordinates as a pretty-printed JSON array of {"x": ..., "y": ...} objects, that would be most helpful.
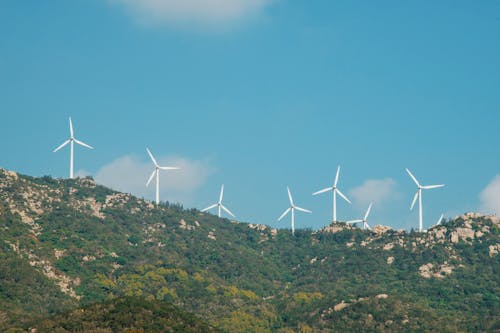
[{"x": 66, "y": 244}]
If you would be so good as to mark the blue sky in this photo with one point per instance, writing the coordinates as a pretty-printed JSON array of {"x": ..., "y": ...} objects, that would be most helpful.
[{"x": 259, "y": 95}]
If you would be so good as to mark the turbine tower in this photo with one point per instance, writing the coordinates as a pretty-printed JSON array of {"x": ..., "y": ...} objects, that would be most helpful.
[
  {"x": 219, "y": 204},
  {"x": 418, "y": 195},
  {"x": 72, "y": 142},
  {"x": 335, "y": 190},
  {"x": 365, "y": 219},
  {"x": 156, "y": 172},
  {"x": 292, "y": 208}
]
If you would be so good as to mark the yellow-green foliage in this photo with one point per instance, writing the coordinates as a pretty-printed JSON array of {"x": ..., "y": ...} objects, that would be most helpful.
[
  {"x": 102, "y": 281},
  {"x": 179, "y": 274},
  {"x": 234, "y": 292},
  {"x": 243, "y": 322},
  {"x": 166, "y": 292},
  {"x": 306, "y": 298}
]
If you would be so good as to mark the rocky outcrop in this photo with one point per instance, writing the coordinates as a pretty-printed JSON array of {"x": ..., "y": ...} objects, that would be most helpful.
[{"x": 429, "y": 270}]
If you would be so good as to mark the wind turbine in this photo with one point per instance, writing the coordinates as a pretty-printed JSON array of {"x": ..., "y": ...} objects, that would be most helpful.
[
  {"x": 72, "y": 142},
  {"x": 365, "y": 219},
  {"x": 292, "y": 208},
  {"x": 219, "y": 204},
  {"x": 156, "y": 172},
  {"x": 335, "y": 190},
  {"x": 418, "y": 195}
]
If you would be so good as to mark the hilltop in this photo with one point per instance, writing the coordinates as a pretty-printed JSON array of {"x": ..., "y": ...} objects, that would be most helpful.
[{"x": 68, "y": 244}]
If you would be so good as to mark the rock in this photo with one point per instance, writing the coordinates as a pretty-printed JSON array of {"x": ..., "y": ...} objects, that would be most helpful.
[
  {"x": 382, "y": 296},
  {"x": 390, "y": 260},
  {"x": 454, "y": 237},
  {"x": 211, "y": 235},
  {"x": 381, "y": 229},
  {"x": 428, "y": 271},
  {"x": 494, "y": 249},
  {"x": 59, "y": 253},
  {"x": 425, "y": 270},
  {"x": 88, "y": 258},
  {"x": 342, "y": 305},
  {"x": 388, "y": 246}
]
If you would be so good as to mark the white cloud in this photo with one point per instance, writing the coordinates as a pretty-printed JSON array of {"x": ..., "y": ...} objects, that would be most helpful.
[
  {"x": 130, "y": 174},
  {"x": 490, "y": 196},
  {"x": 378, "y": 191},
  {"x": 200, "y": 12}
]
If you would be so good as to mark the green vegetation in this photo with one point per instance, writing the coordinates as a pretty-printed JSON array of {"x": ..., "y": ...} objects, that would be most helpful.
[{"x": 67, "y": 244}]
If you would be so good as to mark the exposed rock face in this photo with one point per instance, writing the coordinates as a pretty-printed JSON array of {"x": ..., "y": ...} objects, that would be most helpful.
[
  {"x": 381, "y": 229},
  {"x": 428, "y": 271},
  {"x": 494, "y": 249},
  {"x": 183, "y": 225},
  {"x": 342, "y": 305},
  {"x": 388, "y": 246},
  {"x": 336, "y": 227},
  {"x": 465, "y": 234}
]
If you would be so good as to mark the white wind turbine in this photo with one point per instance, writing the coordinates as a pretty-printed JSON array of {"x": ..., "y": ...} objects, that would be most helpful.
[
  {"x": 418, "y": 195},
  {"x": 156, "y": 172},
  {"x": 72, "y": 142},
  {"x": 292, "y": 208},
  {"x": 335, "y": 190},
  {"x": 364, "y": 220},
  {"x": 219, "y": 204}
]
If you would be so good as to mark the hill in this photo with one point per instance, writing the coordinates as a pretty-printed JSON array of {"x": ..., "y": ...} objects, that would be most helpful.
[{"x": 71, "y": 243}]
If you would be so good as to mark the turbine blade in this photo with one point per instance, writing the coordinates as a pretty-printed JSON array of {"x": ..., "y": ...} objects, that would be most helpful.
[
  {"x": 302, "y": 209},
  {"x": 221, "y": 195},
  {"x": 152, "y": 157},
  {"x": 414, "y": 200},
  {"x": 284, "y": 213},
  {"x": 370, "y": 228},
  {"x": 70, "y": 128},
  {"x": 428, "y": 187},
  {"x": 413, "y": 177},
  {"x": 289, "y": 196},
  {"x": 227, "y": 210},
  {"x": 151, "y": 178},
  {"x": 83, "y": 144},
  {"x": 440, "y": 219},
  {"x": 354, "y": 221},
  {"x": 337, "y": 177},
  {"x": 62, "y": 145},
  {"x": 209, "y": 207},
  {"x": 323, "y": 190},
  {"x": 368, "y": 211},
  {"x": 168, "y": 168},
  {"x": 343, "y": 196}
]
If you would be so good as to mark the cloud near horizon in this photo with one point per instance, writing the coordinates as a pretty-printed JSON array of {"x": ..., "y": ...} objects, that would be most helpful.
[
  {"x": 378, "y": 191},
  {"x": 490, "y": 196},
  {"x": 199, "y": 12},
  {"x": 130, "y": 173}
]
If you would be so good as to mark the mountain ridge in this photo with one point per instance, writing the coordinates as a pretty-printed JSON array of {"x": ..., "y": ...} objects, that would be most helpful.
[{"x": 84, "y": 243}]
